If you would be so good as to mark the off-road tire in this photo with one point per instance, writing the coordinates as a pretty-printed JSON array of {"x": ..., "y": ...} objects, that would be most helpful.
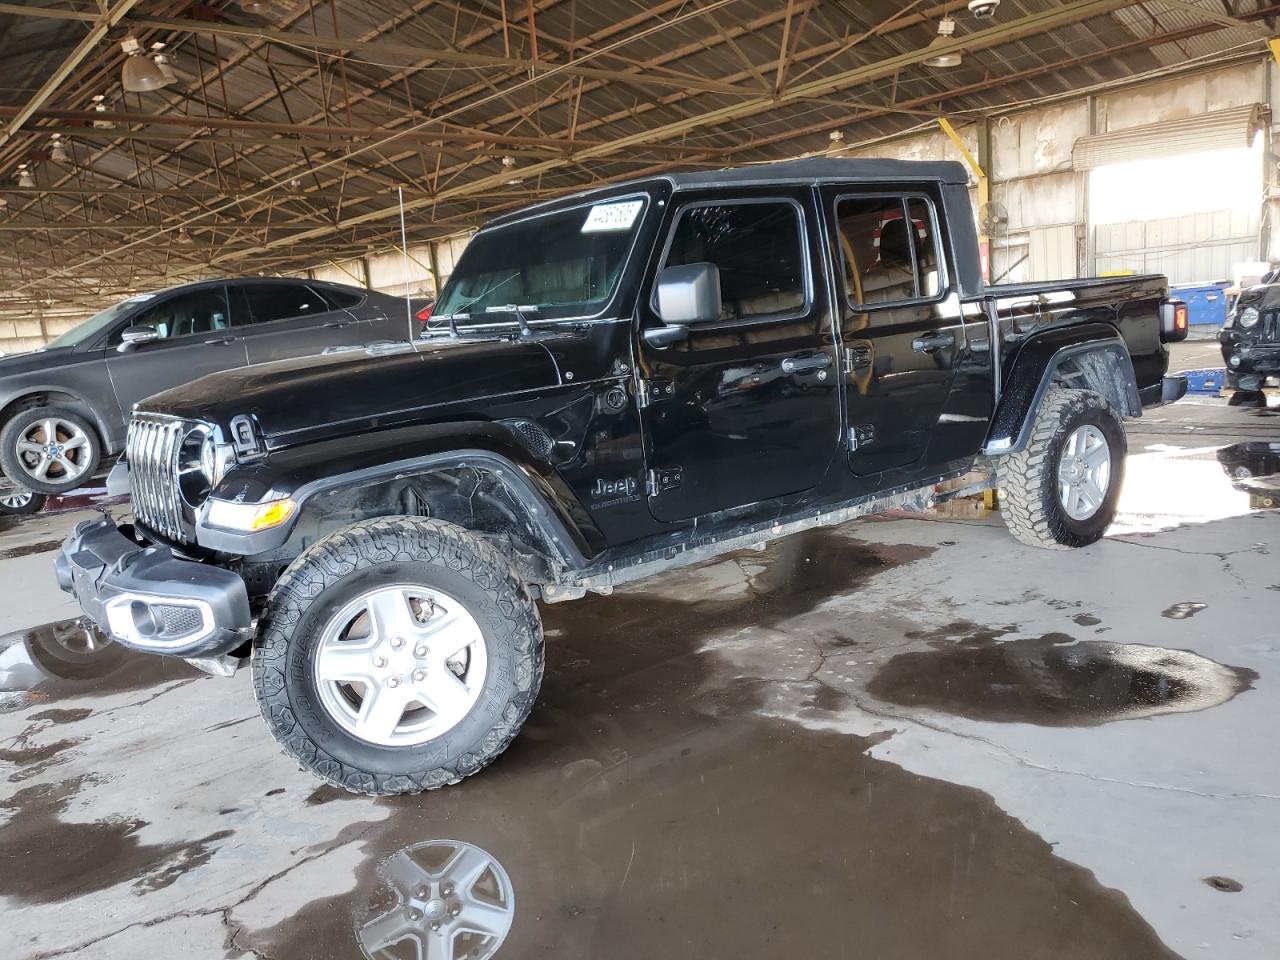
[
  {"x": 397, "y": 550},
  {"x": 1029, "y": 478},
  {"x": 20, "y": 423}
]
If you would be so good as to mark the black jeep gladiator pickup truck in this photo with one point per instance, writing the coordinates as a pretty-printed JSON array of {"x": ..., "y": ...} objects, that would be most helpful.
[{"x": 613, "y": 383}]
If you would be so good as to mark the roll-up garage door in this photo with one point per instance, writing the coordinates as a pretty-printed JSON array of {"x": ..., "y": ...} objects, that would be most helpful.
[{"x": 1220, "y": 130}]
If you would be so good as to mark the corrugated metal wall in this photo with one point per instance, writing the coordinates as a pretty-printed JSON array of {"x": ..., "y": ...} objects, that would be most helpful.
[{"x": 1195, "y": 248}]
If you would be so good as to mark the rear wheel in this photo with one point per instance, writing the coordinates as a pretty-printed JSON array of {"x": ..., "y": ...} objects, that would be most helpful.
[
  {"x": 49, "y": 449},
  {"x": 1061, "y": 490},
  {"x": 398, "y": 655}
]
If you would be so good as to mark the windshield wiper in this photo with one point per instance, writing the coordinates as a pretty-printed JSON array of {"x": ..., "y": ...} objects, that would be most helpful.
[{"x": 519, "y": 310}]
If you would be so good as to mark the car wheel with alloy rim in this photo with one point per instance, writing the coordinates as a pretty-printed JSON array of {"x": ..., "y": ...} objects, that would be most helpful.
[
  {"x": 398, "y": 655},
  {"x": 49, "y": 449}
]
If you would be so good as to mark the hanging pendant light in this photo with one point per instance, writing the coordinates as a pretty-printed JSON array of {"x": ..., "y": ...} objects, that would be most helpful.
[
  {"x": 509, "y": 168},
  {"x": 164, "y": 63},
  {"x": 100, "y": 107},
  {"x": 58, "y": 152},
  {"x": 25, "y": 179},
  {"x": 946, "y": 31},
  {"x": 140, "y": 73}
]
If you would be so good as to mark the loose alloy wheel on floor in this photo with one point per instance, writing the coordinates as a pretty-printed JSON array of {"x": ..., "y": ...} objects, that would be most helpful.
[
  {"x": 398, "y": 655},
  {"x": 49, "y": 449},
  {"x": 1061, "y": 490}
]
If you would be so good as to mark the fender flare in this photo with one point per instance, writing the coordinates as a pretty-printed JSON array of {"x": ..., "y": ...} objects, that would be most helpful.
[
  {"x": 307, "y": 474},
  {"x": 1093, "y": 353},
  {"x": 83, "y": 406}
]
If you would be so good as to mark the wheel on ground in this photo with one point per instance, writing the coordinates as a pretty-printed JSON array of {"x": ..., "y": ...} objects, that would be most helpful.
[
  {"x": 1061, "y": 490},
  {"x": 49, "y": 449},
  {"x": 398, "y": 655},
  {"x": 19, "y": 502}
]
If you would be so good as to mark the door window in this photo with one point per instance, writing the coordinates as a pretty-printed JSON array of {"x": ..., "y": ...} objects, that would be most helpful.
[
  {"x": 339, "y": 299},
  {"x": 889, "y": 248},
  {"x": 282, "y": 301},
  {"x": 757, "y": 246},
  {"x": 187, "y": 314}
]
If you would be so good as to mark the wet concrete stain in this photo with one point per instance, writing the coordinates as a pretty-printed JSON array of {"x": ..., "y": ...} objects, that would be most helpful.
[
  {"x": 1056, "y": 681},
  {"x": 1183, "y": 611},
  {"x": 1086, "y": 620},
  {"x": 62, "y": 716},
  {"x": 29, "y": 755},
  {"x": 29, "y": 549},
  {"x": 646, "y": 809},
  {"x": 68, "y": 659},
  {"x": 74, "y": 859},
  {"x": 327, "y": 793},
  {"x": 1224, "y": 884}
]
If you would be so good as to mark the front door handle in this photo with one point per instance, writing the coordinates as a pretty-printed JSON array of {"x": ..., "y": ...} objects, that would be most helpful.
[
  {"x": 336, "y": 323},
  {"x": 222, "y": 340},
  {"x": 819, "y": 361},
  {"x": 934, "y": 341}
]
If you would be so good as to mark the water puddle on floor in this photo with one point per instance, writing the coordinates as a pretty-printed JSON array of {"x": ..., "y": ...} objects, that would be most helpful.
[
  {"x": 69, "y": 659},
  {"x": 1055, "y": 681}
]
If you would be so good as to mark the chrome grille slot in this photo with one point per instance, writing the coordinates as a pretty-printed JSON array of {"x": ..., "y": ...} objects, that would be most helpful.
[
  {"x": 154, "y": 446},
  {"x": 1269, "y": 327}
]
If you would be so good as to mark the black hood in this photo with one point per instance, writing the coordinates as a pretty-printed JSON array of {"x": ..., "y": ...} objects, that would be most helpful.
[{"x": 354, "y": 391}]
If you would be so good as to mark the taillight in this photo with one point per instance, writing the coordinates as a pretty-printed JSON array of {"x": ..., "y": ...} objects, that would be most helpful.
[
  {"x": 424, "y": 314},
  {"x": 1174, "y": 317}
]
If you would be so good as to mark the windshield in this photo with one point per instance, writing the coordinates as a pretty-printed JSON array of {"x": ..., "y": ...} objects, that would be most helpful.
[
  {"x": 564, "y": 264},
  {"x": 98, "y": 322}
]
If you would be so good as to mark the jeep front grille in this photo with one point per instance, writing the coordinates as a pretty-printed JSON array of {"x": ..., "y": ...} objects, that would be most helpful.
[
  {"x": 1269, "y": 327},
  {"x": 153, "y": 449}
]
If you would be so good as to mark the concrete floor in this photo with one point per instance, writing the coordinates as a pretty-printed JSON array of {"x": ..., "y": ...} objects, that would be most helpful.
[{"x": 903, "y": 738}]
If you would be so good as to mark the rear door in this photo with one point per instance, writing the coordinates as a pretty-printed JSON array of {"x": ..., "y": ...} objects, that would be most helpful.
[
  {"x": 197, "y": 337},
  {"x": 747, "y": 408},
  {"x": 286, "y": 319},
  {"x": 900, "y": 325}
]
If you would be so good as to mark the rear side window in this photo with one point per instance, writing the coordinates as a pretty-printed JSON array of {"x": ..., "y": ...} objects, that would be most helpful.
[
  {"x": 282, "y": 301},
  {"x": 339, "y": 299},
  {"x": 758, "y": 249},
  {"x": 889, "y": 249}
]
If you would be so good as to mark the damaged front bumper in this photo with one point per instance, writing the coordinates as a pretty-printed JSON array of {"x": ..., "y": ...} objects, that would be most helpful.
[{"x": 147, "y": 599}]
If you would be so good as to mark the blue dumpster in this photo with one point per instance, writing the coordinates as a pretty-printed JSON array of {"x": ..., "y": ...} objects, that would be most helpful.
[{"x": 1206, "y": 306}]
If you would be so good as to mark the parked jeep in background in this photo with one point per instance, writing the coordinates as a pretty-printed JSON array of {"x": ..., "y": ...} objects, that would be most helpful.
[
  {"x": 1250, "y": 340},
  {"x": 640, "y": 376},
  {"x": 65, "y": 406}
]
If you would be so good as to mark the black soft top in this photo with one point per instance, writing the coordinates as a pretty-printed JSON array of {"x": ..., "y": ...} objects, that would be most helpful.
[{"x": 812, "y": 170}]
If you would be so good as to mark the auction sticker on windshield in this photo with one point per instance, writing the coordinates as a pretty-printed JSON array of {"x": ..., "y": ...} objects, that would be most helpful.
[{"x": 608, "y": 217}]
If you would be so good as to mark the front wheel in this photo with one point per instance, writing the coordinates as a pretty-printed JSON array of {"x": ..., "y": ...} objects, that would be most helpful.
[
  {"x": 398, "y": 655},
  {"x": 49, "y": 449},
  {"x": 1061, "y": 490}
]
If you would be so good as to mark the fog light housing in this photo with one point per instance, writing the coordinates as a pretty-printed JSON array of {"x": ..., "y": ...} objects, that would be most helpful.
[
  {"x": 1234, "y": 361},
  {"x": 249, "y": 517}
]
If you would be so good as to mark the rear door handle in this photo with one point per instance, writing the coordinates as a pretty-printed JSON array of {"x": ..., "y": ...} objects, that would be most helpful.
[
  {"x": 336, "y": 323},
  {"x": 819, "y": 361},
  {"x": 934, "y": 341}
]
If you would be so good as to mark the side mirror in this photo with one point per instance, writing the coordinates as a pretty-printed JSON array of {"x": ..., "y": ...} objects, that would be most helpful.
[
  {"x": 134, "y": 337},
  {"x": 689, "y": 294}
]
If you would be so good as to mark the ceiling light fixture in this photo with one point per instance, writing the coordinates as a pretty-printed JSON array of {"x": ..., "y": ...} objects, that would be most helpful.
[
  {"x": 58, "y": 152},
  {"x": 255, "y": 6},
  {"x": 4, "y": 201},
  {"x": 509, "y": 168},
  {"x": 184, "y": 236},
  {"x": 836, "y": 138},
  {"x": 25, "y": 179},
  {"x": 164, "y": 63},
  {"x": 140, "y": 73},
  {"x": 100, "y": 107},
  {"x": 946, "y": 32}
]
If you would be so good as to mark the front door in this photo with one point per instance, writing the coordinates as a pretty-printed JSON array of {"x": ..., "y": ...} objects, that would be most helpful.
[
  {"x": 747, "y": 408},
  {"x": 196, "y": 337},
  {"x": 901, "y": 327}
]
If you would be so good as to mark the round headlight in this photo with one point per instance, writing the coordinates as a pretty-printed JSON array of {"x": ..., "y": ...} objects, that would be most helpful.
[{"x": 1247, "y": 317}]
